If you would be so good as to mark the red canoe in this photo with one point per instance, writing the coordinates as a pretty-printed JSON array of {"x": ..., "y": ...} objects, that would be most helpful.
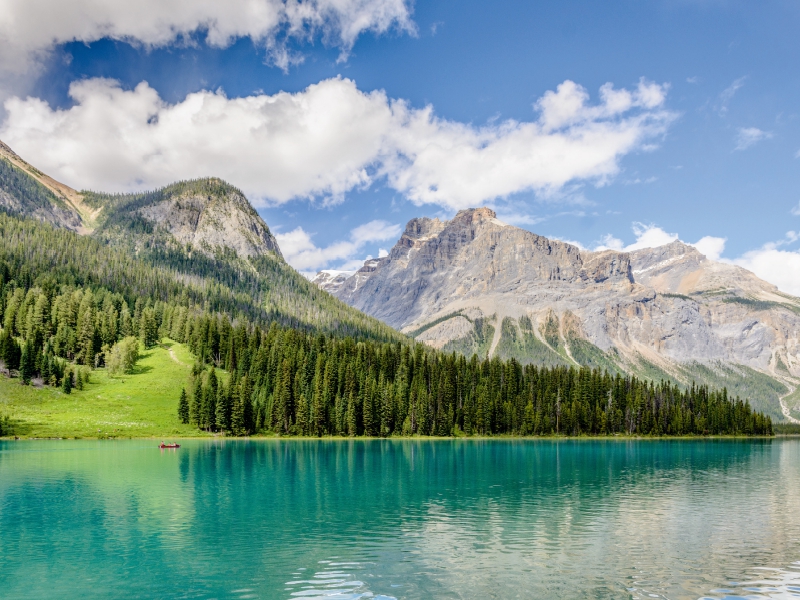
[{"x": 170, "y": 446}]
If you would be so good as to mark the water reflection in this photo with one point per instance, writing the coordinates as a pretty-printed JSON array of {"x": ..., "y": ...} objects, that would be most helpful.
[
  {"x": 766, "y": 583},
  {"x": 335, "y": 581},
  {"x": 400, "y": 519}
]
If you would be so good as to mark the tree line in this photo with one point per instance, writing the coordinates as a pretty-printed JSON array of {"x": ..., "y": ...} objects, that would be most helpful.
[
  {"x": 296, "y": 380},
  {"x": 293, "y": 382},
  {"x": 259, "y": 289}
]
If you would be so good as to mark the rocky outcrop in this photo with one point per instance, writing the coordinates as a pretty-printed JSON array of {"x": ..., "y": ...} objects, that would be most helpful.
[
  {"x": 210, "y": 214},
  {"x": 27, "y": 191},
  {"x": 664, "y": 307},
  {"x": 331, "y": 280},
  {"x": 205, "y": 215}
]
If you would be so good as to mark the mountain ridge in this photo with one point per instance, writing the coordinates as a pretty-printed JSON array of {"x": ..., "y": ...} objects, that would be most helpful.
[
  {"x": 201, "y": 232},
  {"x": 476, "y": 284}
]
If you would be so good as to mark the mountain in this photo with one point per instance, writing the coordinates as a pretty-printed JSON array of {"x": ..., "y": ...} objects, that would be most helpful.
[
  {"x": 476, "y": 284},
  {"x": 331, "y": 280},
  {"x": 27, "y": 191},
  {"x": 203, "y": 215},
  {"x": 203, "y": 233}
]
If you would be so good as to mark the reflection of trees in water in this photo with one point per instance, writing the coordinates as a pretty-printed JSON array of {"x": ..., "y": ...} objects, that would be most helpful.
[{"x": 476, "y": 518}]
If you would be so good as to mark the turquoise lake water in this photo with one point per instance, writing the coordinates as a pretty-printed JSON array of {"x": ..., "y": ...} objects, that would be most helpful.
[{"x": 400, "y": 519}]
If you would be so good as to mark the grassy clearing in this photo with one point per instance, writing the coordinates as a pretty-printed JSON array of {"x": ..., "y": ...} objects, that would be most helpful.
[{"x": 143, "y": 404}]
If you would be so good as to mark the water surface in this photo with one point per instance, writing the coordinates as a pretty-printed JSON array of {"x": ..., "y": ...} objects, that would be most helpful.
[{"x": 400, "y": 519}]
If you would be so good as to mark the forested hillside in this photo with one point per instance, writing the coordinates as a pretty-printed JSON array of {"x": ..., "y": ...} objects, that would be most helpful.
[
  {"x": 67, "y": 300},
  {"x": 36, "y": 255},
  {"x": 193, "y": 262},
  {"x": 292, "y": 382}
]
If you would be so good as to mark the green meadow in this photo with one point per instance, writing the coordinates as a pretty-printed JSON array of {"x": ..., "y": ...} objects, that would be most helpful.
[{"x": 142, "y": 404}]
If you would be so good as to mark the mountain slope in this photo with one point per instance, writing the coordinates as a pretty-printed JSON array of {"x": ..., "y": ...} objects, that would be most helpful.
[
  {"x": 475, "y": 284},
  {"x": 204, "y": 215},
  {"x": 203, "y": 234},
  {"x": 27, "y": 191}
]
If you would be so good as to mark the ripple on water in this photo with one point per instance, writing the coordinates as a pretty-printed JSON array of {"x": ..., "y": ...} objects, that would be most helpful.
[
  {"x": 767, "y": 583},
  {"x": 334, "y": 581}
]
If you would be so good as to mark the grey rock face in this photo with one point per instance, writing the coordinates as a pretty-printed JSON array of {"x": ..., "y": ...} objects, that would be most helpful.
[
  {"x": 59, "y": 216},
  {"x": 666, "y": 305},
  {"x": 331, "y": 280},
  {"x": 43, "y": 198},
  {"x": 205, "y": 222}
]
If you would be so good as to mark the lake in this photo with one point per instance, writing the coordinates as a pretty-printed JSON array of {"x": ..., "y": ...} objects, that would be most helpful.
[{"x": 400, "y": 519}]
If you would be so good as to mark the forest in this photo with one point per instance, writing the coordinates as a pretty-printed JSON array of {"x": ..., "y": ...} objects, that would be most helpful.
[{"x": 69, "y": 304}]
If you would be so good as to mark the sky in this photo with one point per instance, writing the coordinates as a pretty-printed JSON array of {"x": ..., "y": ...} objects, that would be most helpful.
[{"x": 618, "y": 125}]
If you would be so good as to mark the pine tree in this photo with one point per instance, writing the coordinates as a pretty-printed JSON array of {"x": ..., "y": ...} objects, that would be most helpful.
[
  {"x": 183, "y": 407},
  {"x": 195, "y": 410},
  {"x": 237, "y": 413},
  {"x": 222, "y": 410},
  {"x": 66, "y": 384},
  {"x": 210, "y": 401},
  {"x": 27, "y": 365},
  {"x": 10, "y": 352},
  {"x": 352, "y": 427},
  {"x": 245, "y": 398}
]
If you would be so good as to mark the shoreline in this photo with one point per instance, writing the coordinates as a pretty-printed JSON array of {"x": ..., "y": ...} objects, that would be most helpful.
[{"x": 465, "y": 438}]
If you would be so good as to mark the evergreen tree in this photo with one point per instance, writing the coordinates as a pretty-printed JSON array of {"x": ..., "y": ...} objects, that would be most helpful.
[
  {"x": 183, "y": 407},
  {"x": 209, "y": 416},
  {"x": 27, "y": 365},
  {"x": 67, "y": 382},
  {"x": 223, "y": 409},
  {"x": 195, "y": 410},
  {"x": 10, "y": 352},
  {"x": 237, "y": 413}
]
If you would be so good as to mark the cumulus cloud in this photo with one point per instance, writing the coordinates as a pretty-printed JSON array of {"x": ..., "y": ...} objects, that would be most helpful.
[
  {"x": 329, "y": 139},
  {"x": 779, "y": 267},
  {"x": 279, "y": 147},
  {"x": 712, "y": 247},
  {"x": 303, "y": 254},
  {"x": 747, "y": 136},
  {"x": 30, "y": 29},
  {"x": 455, "y": 165},
  {"x": 647, "y": 236}
]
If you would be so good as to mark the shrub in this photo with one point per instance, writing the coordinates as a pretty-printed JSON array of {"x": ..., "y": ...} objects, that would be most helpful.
[{"x": 123, "y": 356}]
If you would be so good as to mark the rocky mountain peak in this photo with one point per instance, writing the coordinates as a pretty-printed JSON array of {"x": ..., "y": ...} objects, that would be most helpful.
[
  {"x": 204, "y": 215},
  {"x": 476, "y": 284},
  {"x": 211, "y": 213},
  {"x": 473, "y": 215},
  {"x": 25, "y": 190}
]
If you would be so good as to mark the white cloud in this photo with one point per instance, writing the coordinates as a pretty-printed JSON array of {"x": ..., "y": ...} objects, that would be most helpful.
[
  {"x": 779, "y": 267},
  {"x": 30, "y": 29},
  {"x": 728, "y": 93},
  {"x": 647, "y": 236},
  {"x": 747, "y": 136},
  {"x": 568, "y": 241},
  {"x": 712, "y": 247},
  {"x": 609, "y": 242},
  {"x": 329, "y": 139},
  {"x": 650, "y": 236},
  {"x": 318, "y": 142},
  {"x": 458, "y": 166},
  {"x": 300, "y": 251},
  {"x": 796, "y": 210}
]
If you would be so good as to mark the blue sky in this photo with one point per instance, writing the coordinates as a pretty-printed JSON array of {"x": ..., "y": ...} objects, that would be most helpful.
[{"x": 334, "y": 142}]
